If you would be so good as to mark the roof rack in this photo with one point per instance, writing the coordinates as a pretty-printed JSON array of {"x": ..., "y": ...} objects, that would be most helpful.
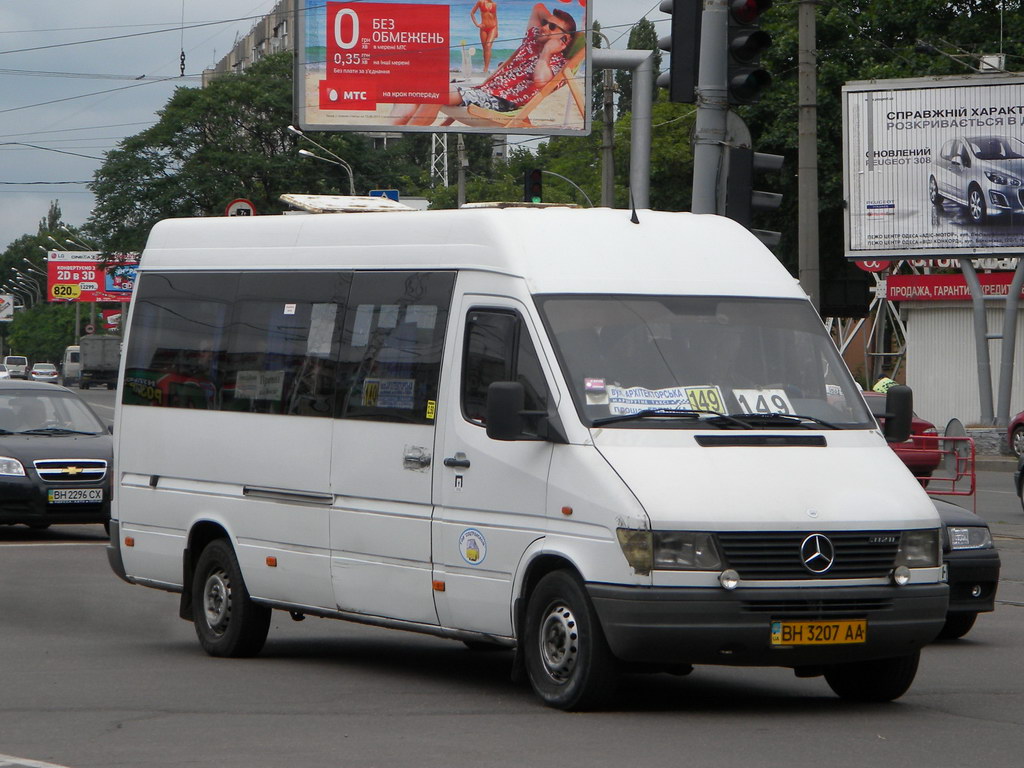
[
  {"x": 500, "y": 204},
  {"x": 342, "y": 204}
]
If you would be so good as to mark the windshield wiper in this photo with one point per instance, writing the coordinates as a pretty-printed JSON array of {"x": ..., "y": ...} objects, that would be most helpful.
[
  {"x": 781, "y": 420},
  {"x": 689, "y": 413},
  {"x": 54, "y": 431}
]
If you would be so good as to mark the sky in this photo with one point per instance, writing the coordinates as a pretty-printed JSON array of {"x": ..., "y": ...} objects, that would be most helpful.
[{"x": 72, "y": 93}]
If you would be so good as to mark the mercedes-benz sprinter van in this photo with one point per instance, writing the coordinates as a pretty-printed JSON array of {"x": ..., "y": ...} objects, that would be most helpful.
[{"x": 608, "y": 443}]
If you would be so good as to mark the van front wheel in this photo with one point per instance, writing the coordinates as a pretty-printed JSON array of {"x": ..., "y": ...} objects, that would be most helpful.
[
  {"x": 878, "y": 680},
  {"x": 228, "y": 622},
  {"x": 567, "y": 658}
]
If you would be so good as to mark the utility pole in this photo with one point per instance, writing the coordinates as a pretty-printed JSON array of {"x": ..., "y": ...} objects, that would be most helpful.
[
  {"x": 608, "y": 142},
  {"x": 807, "y": 155},
  {"x": 713, "y": 106}
]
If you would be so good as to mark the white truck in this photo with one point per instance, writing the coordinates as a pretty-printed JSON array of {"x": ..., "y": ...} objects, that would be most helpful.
[{"x": 99, "y": 358}]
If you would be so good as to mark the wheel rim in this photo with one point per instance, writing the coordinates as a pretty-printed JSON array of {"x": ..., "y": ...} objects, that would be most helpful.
[
  {"x": 559, "y": 643},
  {"x": 1018, "y": 441},
  {"x": 933, "y": 190},
  {"x": 217, "y": 601},
  {"x": 976, "y": 206}
]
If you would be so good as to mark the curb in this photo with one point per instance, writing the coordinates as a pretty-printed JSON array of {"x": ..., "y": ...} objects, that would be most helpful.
[{"x": 995, "y": 463}]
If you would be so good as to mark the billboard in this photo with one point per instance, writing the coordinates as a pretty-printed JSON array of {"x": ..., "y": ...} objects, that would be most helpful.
[
  {"x": 6, "y": 307},
  {"x": 934, "y": 166},
  {"x": 514, "y": 66},
  {"x": 90, "y": 276}
]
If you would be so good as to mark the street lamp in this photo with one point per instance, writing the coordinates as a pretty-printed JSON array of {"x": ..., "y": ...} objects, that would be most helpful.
[
  {"x": 344, "y": 166},
  {"x": 336, "y": 161},
  {"x": 78, "y": 242}
]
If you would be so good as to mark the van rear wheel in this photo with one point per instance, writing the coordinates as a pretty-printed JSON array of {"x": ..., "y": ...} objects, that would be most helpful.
[
  {"x": 567, "y": 657},
  {"x": 227, "y": 621},
  {"x": 876, "y": 681}
]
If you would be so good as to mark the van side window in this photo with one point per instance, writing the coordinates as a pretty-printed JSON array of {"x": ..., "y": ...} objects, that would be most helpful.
[
  {"x": 391, "y": 348},
  {"x": 498, "y": 348},
  {"x": 178, "y": 340},
  {"x": 284, "y": 342}
]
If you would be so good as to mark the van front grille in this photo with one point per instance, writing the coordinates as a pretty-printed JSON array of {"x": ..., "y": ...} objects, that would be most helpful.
[{"x": 776, "y": 555}]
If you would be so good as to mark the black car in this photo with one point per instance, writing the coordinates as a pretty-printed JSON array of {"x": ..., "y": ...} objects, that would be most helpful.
[
  {"x": 55, "y": 457},
  {"x": 973, "y": 566}
]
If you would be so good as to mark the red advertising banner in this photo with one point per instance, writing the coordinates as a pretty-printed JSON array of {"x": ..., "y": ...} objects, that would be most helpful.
[
  {"x": 944, "y": 287},
  {"x": 90, "y": 276},
  {"x": 379, "y": 52}
]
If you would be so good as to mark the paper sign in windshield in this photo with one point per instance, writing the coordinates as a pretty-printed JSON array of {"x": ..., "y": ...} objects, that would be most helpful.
[
  {"x": 763, "y": 401},
  {"x": 624, "y": 401}
]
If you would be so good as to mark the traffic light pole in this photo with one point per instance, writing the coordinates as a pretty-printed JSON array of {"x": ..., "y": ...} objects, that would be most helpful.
[
  {"x": 712, "y": 106},
  {"x": 642, "y": 65}
]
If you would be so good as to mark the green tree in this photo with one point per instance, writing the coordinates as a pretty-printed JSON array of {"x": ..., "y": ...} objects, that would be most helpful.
[
  {"x": 229, "y": 140},
  {"x": 642, "y": 37}
]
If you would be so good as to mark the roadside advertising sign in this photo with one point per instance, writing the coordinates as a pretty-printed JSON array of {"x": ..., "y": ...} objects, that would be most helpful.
[
  {"x": 111, "y": 319},
  {"x": 951, "y": 287},
  {"x": 6, "y": 307},
  {"x": 90, "y": 276},
  {"x": 934, "y": 166},
  {"x": 515, "y": 66}
]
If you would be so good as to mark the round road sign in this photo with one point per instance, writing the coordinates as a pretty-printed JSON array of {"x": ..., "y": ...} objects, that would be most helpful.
[
  {"x": 873, "y": 266},
  {"x": 90, "y": 328},
  {"x": 240, "y": 207}
]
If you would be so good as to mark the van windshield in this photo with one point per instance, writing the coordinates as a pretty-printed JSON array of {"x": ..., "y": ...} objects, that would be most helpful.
[{"x": 653, "y": 357}]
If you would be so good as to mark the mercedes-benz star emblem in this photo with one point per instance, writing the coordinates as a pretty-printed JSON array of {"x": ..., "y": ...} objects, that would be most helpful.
[{"x": 817, "y": 553}]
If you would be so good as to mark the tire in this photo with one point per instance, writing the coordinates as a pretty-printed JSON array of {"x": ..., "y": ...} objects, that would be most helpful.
[
  {"x": 934, "y": 195},
  {"x": 567, "y": 658},
  {"x": 873, "y": 681},
  {"x": 976, "y": 205},
  {"x": 1017, "y": 441},
  {"x": 227, "y": 621},
  {"x": 957, "y": 625}
]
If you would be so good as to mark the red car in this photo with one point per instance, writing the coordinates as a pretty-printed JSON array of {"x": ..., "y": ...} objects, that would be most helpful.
[
  {"x": 1015, "y": 434},
  {"x": 921, "y": 452}
]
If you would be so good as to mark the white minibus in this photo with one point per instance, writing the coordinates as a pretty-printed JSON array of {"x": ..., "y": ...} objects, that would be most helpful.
[{"x": 608, "y": 441}]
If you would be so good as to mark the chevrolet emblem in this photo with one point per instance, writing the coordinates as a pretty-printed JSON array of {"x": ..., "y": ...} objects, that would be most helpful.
[{"x": 72, "y": 471}]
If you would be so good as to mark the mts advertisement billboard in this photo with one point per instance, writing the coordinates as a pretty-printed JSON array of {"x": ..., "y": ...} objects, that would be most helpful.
[
  {"x": 514, "y": 66},
  {"x": 934, "y": 166},
  {"x": 90, "y": 276}
]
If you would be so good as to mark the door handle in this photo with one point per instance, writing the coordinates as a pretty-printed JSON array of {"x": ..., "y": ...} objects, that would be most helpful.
[{"x": 458, "y": 461}]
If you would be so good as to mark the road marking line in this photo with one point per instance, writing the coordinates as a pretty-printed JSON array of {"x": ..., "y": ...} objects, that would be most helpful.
[{"x": 21, "y": 762}]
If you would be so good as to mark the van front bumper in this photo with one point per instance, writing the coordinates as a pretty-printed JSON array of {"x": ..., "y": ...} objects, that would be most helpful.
[{"x": 717, "y": 626}]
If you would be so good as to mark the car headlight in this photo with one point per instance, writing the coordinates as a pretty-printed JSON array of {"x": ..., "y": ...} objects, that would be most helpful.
[
  {"x": 9, "y": 466},
  {"x": 969, "y": 537},
  {"x": 1002, "y": 178},
  {"x": 920, "y": 549},
  {"x": 669, "y": 550}
]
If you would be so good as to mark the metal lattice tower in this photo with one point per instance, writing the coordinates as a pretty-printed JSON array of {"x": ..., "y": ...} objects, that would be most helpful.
[{"x": 439, "y": 158}]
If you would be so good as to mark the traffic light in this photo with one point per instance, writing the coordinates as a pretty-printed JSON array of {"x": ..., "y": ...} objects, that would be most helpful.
[
  {"x": 746, "y": 79},
  {"x": 741, "y": 199},
  {"x": 533, "y": 190},
  {"x": 683, "y": 45}
]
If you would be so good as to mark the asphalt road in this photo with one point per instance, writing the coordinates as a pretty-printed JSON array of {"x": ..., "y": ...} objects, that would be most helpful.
[{"x": 95, "y": 673}]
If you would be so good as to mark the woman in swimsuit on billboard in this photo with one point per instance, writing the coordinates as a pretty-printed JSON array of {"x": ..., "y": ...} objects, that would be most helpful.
[{"x": 488, "y": 25}]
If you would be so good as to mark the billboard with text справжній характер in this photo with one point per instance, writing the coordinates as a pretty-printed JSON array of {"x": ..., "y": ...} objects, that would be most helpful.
[{"x": 934, "y": 166}]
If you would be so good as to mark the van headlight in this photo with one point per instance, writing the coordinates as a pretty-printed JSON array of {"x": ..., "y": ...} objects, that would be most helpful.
[
  {"x": 669, "y": 550},
  {"x": 920, "y": 549},
  {"x": 9, "y": 466},
  {"x": 969, "y": 537}
]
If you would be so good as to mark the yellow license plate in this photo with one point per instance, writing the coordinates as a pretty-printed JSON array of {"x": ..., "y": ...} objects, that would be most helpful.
[{"x": 846, "y": 631}]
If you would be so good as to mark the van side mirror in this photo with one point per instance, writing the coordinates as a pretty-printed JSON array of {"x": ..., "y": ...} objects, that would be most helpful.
[
  {"x": 505, "y": 400},
  {"x": 899, "y": 411},
  {"x": 506, "y": 419}
]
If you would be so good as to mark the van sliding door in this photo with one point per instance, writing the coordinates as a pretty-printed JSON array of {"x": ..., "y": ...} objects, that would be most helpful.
[{"x": 383, "y": 445}]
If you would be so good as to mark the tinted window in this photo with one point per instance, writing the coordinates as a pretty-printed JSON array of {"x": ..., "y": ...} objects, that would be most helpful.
[
  {"x": 283, "y": 346},
  {"x": 498, "y": 348},
  {"x": 391, "y": 348},
  {"x": 178, "y": 341}
]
